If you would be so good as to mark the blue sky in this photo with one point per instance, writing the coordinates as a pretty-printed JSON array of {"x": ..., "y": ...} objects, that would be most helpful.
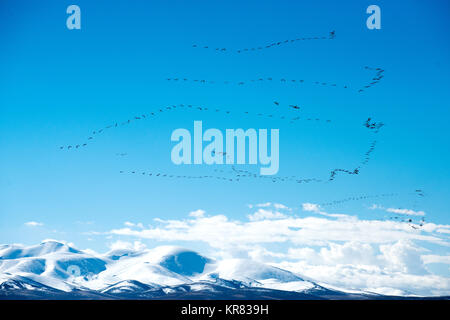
[{"x": 59, "y": 85}]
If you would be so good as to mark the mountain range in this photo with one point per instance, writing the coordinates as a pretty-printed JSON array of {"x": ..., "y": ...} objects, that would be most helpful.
[{"x": 56, "y": 270}]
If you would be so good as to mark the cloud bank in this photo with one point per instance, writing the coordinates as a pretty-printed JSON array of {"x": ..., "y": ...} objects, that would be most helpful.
[{"x": 388, "y": 257}]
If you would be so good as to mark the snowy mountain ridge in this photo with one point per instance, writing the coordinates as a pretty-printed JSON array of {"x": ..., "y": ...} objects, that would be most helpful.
[{"x": 56, "y": 270}]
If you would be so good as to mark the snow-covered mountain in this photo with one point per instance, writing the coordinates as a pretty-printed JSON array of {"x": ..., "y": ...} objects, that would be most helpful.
[{"x": 54, "y": 270}]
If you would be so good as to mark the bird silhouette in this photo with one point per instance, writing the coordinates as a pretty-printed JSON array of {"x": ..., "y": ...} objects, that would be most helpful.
[{"x": 331, "y": 36}]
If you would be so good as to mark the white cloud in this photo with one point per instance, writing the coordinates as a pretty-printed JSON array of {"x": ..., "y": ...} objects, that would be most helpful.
[
  {"x": 197, "y": 213},
  {"x": 351, "y": 252},
  {"x": 337, "y": 249},
  {"x": 397, "y": 210},
  {"x": 34, "y": 224},
  {"x": 261, "y": 254},
  {"x": 311, "y": 207},
  {"x": 121, "y": 245},
  {"x": 372, "y": 278},
  {"x": 280, "y": 206},
  {"x": 396, "y": 268},
  {"x": 263, "y": 205},
  {"x": 397, "y": 255},
  {"x": 277, "y": 206},
  {"x": 433, "y": 258},
  {"x": 403, "y": 256},
  {"x": 131, "y": 224},
  {"x": 220, "y": 232},
  {"x": 262, "y": 214},
  {"x": 406, "y": 211}
]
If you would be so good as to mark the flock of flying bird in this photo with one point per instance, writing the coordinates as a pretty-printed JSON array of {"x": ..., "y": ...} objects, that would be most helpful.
[
  {"x": 374, "y": 80},
  {"x": 330, "y": 36},
  {"x": 266, "y": 79},
  {"x": 375, "y": 127},
  {"x": 417, "y": 192},
  {"x": 377, "y": 78},
  {"x": 239, "y": 174},
  {"x": 357, "y": 198},
  {"x": 150, "y": 115},
  {"x": 368, "y": 124},
  {"x": 399, "y": 216},
  {"x": 248, "y": 174},
  {"x": 168, "y": 175}
]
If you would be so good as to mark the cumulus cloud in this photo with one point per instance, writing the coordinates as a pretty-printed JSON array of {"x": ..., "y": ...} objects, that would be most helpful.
[
  {"x": 131, "y": 224},
  {"x": 280, "y": 206},
  {"x": 262, "y": 214},
  {"x": 275, "y": 205},
  {"x": 197, "y": 213},
  {"x": 34, "y": 224},
  {"x": 372, "y": 278},
  {"x": 313, "y": 207},
  {"x": 260, "y": 205},
  {"x": 406, "y": 211},
  {"x": 396, "y": 268},
  {"x": 403, "y": 256},
  {"x": 409, "y": 212},
  {"x": 351, "y": 252},
  {"x": 337, "y": 249},
  {"x": 219, "y": 231},
  {"x": 433, "y": 258}
]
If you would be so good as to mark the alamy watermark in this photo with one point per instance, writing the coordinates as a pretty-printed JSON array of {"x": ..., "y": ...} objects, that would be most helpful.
[
  {"x": 74, "y": 20},
  {"x": 73, "y": 270},
  {"x": 374, "y": 20},
  {"x": 235, "y": 141}
]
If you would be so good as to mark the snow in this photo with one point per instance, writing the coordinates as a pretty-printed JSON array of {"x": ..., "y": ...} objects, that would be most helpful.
[
  {"x": 248, "y": 270},
  {"x": 50, "y": 246},
  {"x": 287, "y": 286},
  {"x": 128, "y": 270}
]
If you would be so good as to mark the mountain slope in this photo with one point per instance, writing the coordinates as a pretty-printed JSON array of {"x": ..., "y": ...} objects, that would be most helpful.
[{"x": 55, "y": 270}]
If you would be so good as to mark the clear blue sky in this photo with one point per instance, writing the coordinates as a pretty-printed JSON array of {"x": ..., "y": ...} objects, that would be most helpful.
[{"x": 58, "y": 85}]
